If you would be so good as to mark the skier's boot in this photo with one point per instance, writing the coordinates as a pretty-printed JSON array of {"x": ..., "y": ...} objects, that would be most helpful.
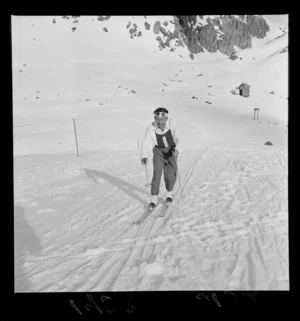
[
  {"x": 153, "y": 203},
  {"x": 169, "y": 199},
  {"x": 151, "y": 206}
]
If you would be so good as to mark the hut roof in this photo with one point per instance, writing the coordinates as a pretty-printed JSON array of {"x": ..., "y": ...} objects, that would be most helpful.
[{"x": 244, "y": 85}]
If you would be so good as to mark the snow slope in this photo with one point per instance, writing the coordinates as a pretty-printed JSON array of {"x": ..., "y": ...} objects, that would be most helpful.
[{"x": 74, "y": 217}]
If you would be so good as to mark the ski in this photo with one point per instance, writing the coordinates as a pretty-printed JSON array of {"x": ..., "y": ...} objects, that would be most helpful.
[
  {"x": 150, "y": 209},
  {"x": 141, "y": 219},
  {"x": 167, "y": 205}
]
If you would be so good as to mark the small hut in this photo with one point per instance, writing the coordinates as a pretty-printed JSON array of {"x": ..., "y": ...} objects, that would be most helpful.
[{"x": 244, "y": 90}]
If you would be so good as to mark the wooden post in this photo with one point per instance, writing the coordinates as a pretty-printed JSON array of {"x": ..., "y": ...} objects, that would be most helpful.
[{"x": 76, "y": 137}]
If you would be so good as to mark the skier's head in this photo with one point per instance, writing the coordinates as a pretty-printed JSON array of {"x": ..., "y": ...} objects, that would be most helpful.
[{"x": 161, "y": 116}]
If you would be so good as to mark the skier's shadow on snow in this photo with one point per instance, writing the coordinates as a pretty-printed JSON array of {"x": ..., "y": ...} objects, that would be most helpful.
[
  {"x": 26, "y": 242},
  {"x": 121, "y": 184}
]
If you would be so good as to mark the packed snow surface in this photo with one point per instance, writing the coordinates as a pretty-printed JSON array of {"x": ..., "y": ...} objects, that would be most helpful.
[{"x": 81, "y": 223}]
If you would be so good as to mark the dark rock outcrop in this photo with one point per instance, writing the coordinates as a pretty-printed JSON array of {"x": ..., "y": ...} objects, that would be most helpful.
[
  {"x": 235, "y": 33},
  {"x": 258, "y": 26},
  {"x": 147, "y": 26},
  {"x": 222, "y": 33},
  {"x": 156, "y": 27},
  {"x": 102, "y": 18},
  {"x": 207, "y": 36}
]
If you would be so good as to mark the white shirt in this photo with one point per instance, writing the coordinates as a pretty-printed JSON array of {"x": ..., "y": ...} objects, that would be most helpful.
[{"x": 149, "y": 140}]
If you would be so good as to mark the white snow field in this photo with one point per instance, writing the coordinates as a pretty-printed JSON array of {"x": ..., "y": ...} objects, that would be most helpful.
[{"x": 74, "y": 216}]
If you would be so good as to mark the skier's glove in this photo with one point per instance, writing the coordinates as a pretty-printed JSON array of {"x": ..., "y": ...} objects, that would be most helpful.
[
  {"x": 144, "y": 161},
  {"x": 175, "y": 153}
]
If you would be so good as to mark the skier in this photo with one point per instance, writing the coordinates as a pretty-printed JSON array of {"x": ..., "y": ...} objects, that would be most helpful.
[{"x": 161, "y": 138}]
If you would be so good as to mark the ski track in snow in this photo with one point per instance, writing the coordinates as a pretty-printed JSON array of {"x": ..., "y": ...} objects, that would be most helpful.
[{"x": 227, "y": 231}]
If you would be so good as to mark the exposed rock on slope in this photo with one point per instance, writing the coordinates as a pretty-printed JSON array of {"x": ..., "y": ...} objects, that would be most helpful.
[
  {"x": 222, "y": 33},
  {"x": 214, "y": 33}
]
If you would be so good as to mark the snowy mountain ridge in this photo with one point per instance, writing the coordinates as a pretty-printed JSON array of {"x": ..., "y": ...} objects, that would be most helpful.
[{"x": 195, "y": 33}]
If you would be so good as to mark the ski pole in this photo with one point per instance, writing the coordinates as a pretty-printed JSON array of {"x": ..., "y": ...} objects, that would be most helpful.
[{"x": 148, "y": 184}]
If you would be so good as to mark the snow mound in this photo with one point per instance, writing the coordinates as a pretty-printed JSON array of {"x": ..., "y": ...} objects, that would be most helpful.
[{"x": 154, "y": 269}]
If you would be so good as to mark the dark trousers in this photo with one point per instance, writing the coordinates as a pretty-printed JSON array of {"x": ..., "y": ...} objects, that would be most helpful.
[{"x": 166, "y": 165}]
